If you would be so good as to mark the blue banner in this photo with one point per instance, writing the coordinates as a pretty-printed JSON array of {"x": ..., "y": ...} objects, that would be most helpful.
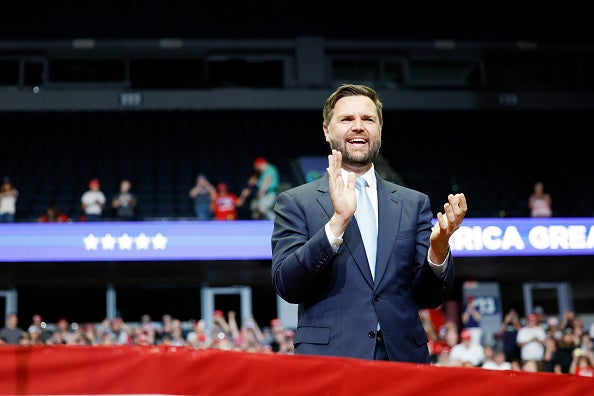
[
  {"x": 524, "y": 237},
  {"x": 250, "y": 239}
]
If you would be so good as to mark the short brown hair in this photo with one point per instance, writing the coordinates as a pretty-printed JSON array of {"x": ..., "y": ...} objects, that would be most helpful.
[{"x": 352, "y": 90}]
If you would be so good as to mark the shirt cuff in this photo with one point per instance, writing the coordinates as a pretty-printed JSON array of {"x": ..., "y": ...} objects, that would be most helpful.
[
  {"x": 439, "y": 269},
  {"x": 335, "y": 242}
]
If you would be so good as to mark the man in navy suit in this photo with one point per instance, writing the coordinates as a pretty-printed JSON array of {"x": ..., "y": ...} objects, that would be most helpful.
[{"x": 319, "y": 260}]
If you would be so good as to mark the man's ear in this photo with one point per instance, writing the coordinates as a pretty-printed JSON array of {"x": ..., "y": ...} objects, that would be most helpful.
[{"x": 326, "y": 132}]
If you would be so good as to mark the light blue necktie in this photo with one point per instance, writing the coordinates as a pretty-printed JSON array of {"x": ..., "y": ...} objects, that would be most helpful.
[{"x": 366, "y": 221}]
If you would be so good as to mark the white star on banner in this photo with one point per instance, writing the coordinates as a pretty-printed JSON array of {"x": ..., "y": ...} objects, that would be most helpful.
[
  {"x": 125, "y": 242},
  {"x": 159, "y": 242},
  {"x": 142, "y": 242},
  {"x": 91, "y": 242},
  {"x": 108, "y": 242}
]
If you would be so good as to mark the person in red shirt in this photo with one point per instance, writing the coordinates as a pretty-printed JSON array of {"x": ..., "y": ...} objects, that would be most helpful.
[
  {"x": 225, "y": 204},
  {"x": 581, "y": 364},
  {"x": 53, "y": 214}
]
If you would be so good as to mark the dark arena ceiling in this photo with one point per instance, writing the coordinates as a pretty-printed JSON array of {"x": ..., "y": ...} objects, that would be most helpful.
[{"x": 460, "y": 20}]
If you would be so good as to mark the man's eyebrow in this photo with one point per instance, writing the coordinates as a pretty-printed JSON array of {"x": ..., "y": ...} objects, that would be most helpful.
[{"x": 366, "y": 115}]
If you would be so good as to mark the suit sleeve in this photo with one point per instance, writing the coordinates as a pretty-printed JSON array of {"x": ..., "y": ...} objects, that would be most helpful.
[
  {"x": 430, "y": 290},
  {"x": 301, "y": 252}
]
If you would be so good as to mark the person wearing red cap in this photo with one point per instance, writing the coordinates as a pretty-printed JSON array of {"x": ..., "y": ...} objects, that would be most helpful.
[
  {"x": 266, "y": 185},
  {"x": 442, "y": 353},
  {"x": 467, "y": 352},
  {"x": 531, "y": 338},
  {"x": 93, "y": 201},
  {"x": 62, "y": 334},
  {"x": 37, "y": 324},
  {"x": 38, "y": 331},
  {"x": 225, "y": 203}
]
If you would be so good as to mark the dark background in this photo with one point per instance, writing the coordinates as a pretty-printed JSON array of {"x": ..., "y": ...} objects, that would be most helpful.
[{"x": 462, "y": 20}]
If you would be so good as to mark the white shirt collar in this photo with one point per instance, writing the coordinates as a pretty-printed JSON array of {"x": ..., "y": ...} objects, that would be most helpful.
[{"x": 369, "y": 176}]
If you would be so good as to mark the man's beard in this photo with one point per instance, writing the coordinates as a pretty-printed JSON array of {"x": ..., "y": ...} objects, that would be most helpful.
[{"x": 358, "y": 158}]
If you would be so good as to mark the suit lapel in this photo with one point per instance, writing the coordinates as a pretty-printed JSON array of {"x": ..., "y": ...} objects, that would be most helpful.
[{"x": 323, "y": 198}]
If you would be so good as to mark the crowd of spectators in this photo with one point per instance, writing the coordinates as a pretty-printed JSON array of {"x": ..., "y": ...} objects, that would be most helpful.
[
  {"x": 536, "y": 343},
  {"x": 225, "y": 332},
  {"x": 207, "y": 201},
  {"x": 205, "y": 198}
]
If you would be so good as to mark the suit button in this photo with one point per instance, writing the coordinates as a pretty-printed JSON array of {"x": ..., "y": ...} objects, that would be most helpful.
[
  {"x": 376, "y": 298},
  {"x": 371, "y": 334}
]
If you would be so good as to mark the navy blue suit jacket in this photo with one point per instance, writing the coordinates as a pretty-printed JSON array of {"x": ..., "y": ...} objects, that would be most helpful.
[{"x": 340, "y": 304}]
